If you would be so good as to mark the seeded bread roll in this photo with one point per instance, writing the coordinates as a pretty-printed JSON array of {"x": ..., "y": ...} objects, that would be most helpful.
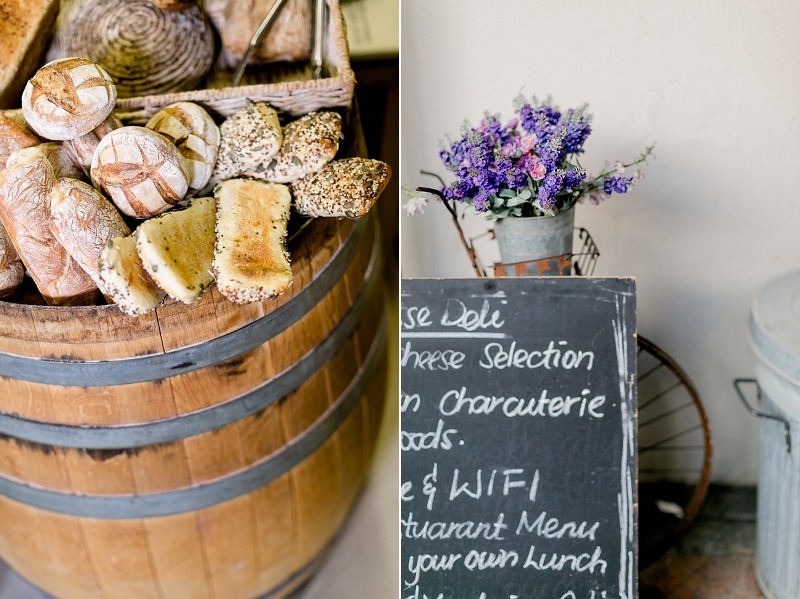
[
  {"x": 25, "y": 211},
  {"x": 343, "y": 188},
  {"x": 309, "y": 143},
  {"x": 177, "y": 249},
  {"x": 142, "y": 172},
  {"x": 68, "y": 98},
  {"x": 251, "y": 263},
  {"x": 83, "y": 147},
  {"x": 60, "y": 157},
  {"x": 13, "y": 138},
  {"x": 11, "y": 270},
  {"x": 83, "y": 221},
  {"x": 196, "y": 136},
  {"x": 249, "y": 139},
  {"x": 125, "y": 280}
]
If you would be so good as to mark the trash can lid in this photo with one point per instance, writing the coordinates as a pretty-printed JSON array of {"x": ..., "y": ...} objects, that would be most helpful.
[{"x": 775, "y": 325}]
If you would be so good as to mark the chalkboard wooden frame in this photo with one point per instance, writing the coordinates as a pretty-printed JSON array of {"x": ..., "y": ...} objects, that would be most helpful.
[{"x": 518, "y": 417}]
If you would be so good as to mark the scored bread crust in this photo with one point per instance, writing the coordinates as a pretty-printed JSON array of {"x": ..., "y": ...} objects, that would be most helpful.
[
  {"x": 12, "y": 272},
  {"x": 125, "y": 280},
  {"x": 195, "y": 134},
  {"x": 177, "y": 249},
  {"x": 343, "y": 188},
  {"x": 25, "y": 213},
  {"x": 13, "y": 138},
  {"x": 251, "y": 263},
  {"x": 60, "y": 156},
  {"x": 84, "y": 146},
  {"x": 83, "y": 221},
  {"x": 68, "y": 98}
]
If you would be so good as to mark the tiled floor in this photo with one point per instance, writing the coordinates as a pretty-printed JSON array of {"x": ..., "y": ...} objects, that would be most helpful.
[{"x": 714, "y": 559}]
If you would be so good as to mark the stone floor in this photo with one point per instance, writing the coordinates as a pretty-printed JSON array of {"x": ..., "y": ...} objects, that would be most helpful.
[{"x": 714, "y": 559}]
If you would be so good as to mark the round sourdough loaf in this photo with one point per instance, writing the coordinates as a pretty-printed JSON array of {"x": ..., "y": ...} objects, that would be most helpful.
[
  {"x": 68, "y": 98},
  {"x": 142, "y": 171},
  {"x": 196, "y": 136}
]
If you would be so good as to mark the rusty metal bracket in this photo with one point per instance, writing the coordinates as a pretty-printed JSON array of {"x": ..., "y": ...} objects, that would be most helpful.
[{"x": 754, "y": 412}]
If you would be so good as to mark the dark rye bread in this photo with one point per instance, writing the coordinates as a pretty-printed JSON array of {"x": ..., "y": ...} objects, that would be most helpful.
[{"x": 25, "y": 27}]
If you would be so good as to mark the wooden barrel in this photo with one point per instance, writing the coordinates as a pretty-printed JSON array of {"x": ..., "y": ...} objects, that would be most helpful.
[{"x": 204, "y": 451}]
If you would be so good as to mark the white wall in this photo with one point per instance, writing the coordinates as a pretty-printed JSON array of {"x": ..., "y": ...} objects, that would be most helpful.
[{"x": 715, "y": 82}]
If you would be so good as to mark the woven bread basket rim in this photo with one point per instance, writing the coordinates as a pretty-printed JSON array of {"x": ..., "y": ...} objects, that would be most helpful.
[{"x": 345, "y": 81}]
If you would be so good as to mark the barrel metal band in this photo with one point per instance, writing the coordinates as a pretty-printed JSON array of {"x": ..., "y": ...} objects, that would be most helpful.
[
  {"x": 131, "y": 507},
  {"x": 208, "y": 419},
  {"x": 140, "y": 369}
]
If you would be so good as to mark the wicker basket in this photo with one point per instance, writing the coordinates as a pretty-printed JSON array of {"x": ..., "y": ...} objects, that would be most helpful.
[{"x": 290, "y": 88}]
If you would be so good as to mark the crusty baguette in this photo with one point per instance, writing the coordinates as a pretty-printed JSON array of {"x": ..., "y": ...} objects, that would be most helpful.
[
  {"x": 251, "y": 263},
  {"x": 83, "y": 221},
  {"x": 13, "y": 138},
  {"x": 343, "y": 188},
  {"x": 12, "y": 272},
  {"x": 177, "y": 249},
  {"x": 25, "y": 212},
  {"x": 125, "y": 280}
]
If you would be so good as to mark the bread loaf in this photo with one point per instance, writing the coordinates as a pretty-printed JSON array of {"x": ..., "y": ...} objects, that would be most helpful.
[
  {"x": 60, "y": 156},
  {"x": 289, "y": 38},
  {"x": 177, "y": 249},
  {"x": 145, "y": 49},
  {"x": 12, "y": 272},
  {"x": 17, "y": 117},
  {"x": 24, "y": 32},
  {"x": 249, "y": 140},
  {"x": 309, "y": 143},
  {"x": 343, "y": 188},
  {"x": 68, "y": 98},
  {"x": 84, "y": 146},
  {"x": 13, "y": 138},
  {"x": 25, "y": 213},
  {"x": 251, "y": 263},
  {"x": 83, "y": 221},
  {"x": 196, "y": 136},
  {"x": 173, "y": 5},
  {"x": 142, "y": 172},
  {"x": 125, "y": 280}
]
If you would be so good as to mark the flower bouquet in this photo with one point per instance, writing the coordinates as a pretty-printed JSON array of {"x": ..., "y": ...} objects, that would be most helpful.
[{"x": 529, "y": 167}]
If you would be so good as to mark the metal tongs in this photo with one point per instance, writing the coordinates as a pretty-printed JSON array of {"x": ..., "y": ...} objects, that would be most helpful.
[{"x": 261, "y": 32}]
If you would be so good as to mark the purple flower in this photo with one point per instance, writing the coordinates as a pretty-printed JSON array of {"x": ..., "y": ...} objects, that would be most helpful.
[{"x": 617, "y": 184}]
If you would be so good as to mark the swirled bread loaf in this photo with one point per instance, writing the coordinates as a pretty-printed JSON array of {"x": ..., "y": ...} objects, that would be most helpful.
[
  {"x": 68, "y": 98},
  {"x": 142, "y": 171},
  {"x": 125, "y": 280},
  {"x": 25, "y": 212},
  {"x": 251, "y": 263},
  {"x": 343, "y": 188},
  {"x": 195, "y": 134},
  {"x": 177, "y": 249},
  {"x": 83, "y": 221}
]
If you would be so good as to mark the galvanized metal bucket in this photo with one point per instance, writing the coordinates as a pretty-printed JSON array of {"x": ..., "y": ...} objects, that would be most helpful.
[
  {"x": 775, "y": 339},
  {"x": 533, "y": 238}
]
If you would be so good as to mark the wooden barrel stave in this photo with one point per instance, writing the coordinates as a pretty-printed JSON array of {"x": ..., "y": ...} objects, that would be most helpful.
[
  {"x": 200, "y": 458},
  {"x": 237, "y": 549}
]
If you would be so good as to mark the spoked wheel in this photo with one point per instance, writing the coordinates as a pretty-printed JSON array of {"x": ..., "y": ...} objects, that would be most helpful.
[{"x": 674, "y": 452}]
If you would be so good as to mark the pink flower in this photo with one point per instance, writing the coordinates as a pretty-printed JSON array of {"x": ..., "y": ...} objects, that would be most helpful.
[
  {"x": 528, "y": 142},
  {"x": 538, "y": 171},
  {"x": 508, "y": 150}
]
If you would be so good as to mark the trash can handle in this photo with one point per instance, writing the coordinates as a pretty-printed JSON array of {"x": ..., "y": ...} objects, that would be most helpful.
[{"x": 755, "y": 412}]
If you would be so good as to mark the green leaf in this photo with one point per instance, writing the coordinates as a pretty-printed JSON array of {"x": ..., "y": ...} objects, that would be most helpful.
[
  {"x": 470, "y": 210},
  {"x": 498, "y": 202},
  {"x": 516, "y": 212},
  {"x": 516, "y": 201},
  {"x": 507, "y": 193},
  {"x": 525, "y": 194}
]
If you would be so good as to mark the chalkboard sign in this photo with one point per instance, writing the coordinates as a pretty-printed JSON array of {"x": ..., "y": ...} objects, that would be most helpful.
[{"x": 518, "y": 463}]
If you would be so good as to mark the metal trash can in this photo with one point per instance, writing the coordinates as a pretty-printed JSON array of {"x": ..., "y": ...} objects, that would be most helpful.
[{"x": 775, "y": 339}]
